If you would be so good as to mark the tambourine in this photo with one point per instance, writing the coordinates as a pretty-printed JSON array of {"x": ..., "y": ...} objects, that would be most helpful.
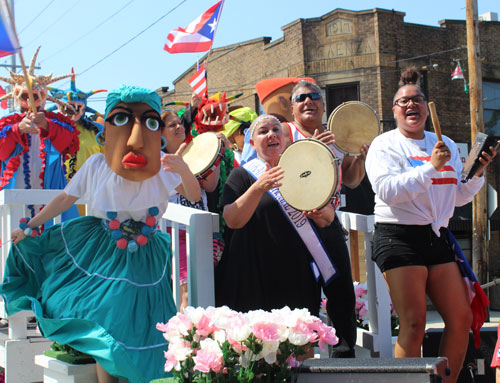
[{"x": 203, "y": 154}]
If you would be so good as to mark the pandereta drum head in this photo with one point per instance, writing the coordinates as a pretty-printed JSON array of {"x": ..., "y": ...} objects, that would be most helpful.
[
  {"x": 311, "y": 175},
  {"x": 202, "y": 152},
  {"x": 354, "y": 124}
]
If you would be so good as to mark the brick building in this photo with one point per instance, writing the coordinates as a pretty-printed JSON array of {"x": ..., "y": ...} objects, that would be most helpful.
[{"x": 358, "y": 55}]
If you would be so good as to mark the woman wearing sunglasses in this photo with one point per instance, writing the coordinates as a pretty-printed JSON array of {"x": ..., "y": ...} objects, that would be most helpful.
[{"x": 416, "y": 181}]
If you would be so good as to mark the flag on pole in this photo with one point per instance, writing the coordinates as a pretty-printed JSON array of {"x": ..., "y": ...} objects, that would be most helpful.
[
  {"x": 457, "y": 73},
  {"x": 477, "y": 297},
  {"x": 198, "y": 36},
  {"x": 198, "y": 81},
  {"x": 9, "y": 44}
]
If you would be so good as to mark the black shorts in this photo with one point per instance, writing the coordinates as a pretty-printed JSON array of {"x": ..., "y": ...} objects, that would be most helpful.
[{"x": 396, "y": 245}]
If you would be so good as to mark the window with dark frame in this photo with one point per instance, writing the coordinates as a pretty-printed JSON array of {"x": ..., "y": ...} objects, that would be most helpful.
[
  {"x": 491, "y": 96},
  {"x": 340, "y": 93}
]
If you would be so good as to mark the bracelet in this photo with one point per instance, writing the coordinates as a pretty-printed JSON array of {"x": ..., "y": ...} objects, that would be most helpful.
[{"x": 23, "y": 225}]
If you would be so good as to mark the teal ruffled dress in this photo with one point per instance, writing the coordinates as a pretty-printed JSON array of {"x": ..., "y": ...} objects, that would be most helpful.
[{"x": 88, "y": 293}]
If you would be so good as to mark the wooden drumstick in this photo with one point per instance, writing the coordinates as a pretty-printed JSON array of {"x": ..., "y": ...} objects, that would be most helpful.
[{"x": 435, "y": 120}]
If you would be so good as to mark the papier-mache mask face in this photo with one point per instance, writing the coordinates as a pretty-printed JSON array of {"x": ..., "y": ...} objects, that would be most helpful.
[
  {"x": 38, "y": 85},
  {"x": 132, "y": 132},
  {"x": 74, "y": 97},
  {"x": 274, "y": 95}
]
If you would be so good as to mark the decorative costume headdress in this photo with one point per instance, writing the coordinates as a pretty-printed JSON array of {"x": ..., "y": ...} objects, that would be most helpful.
[
  {"x": 238, "y": 118},
  {"x": 75, "y": 97},
  {"x": 38, "y": 85}
]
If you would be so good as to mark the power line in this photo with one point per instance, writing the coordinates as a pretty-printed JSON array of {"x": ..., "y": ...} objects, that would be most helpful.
[
  {"x": 52, "y": 24},
  {"x": 346, "y": 77},
  {"x": 89, "y": 32},
  {"x": 133, "y": 38},
  {"x": 36, "y": 17}
]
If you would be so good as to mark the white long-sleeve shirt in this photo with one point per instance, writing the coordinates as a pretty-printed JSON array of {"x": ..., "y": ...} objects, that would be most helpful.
[{"x": 408, "y": 189}]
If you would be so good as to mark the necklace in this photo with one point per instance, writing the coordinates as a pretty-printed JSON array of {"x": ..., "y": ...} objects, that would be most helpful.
[{"x": 420, "y": 144}]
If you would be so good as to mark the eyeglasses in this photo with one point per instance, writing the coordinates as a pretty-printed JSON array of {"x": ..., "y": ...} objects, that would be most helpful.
[
  {"x": 404, "y": 101},
  {"x": 302, "y": 97}
]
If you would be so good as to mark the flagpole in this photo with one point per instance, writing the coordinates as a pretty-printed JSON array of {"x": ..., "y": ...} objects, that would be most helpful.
[
  {"x": 27, "y": 79},
  {"x": 210, "y": 50}
]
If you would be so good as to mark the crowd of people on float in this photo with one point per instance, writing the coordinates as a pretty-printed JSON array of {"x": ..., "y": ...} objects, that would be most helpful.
[{"x": 100, "y": 282}]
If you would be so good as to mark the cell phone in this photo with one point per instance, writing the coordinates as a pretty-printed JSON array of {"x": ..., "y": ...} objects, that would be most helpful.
[{"x": 481, "y": 144}]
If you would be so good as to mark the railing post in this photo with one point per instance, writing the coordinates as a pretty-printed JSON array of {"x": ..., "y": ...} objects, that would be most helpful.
[{"x": 200, "y": 261}]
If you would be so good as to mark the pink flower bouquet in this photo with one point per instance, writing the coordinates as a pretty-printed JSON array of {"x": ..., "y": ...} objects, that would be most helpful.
[{"x": 222, "y": 345}]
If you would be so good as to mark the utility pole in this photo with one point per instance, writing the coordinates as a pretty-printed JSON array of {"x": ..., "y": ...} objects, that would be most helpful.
[{"x": 479, "y": 204}]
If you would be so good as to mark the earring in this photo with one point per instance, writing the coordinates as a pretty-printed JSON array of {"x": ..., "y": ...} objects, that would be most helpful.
[
  {"x": 163, "y": 143},
  {"x": 235, "y": 147},
  {"x": 100, "y": 139}
]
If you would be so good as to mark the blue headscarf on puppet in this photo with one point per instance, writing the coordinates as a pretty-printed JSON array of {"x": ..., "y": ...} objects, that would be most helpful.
[{"x": 130, "y": 94}]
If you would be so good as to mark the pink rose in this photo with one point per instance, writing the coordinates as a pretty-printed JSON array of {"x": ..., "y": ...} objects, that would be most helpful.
[
  {"x": 206, "y": 360},
  {"x": 205, "y": 326},
  {"x": 267, "y": 332}
]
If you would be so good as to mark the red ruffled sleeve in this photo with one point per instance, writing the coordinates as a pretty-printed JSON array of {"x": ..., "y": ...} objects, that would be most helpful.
[
  {"x": 62, "y": 133},
  {"x": 10, "y": 136}
]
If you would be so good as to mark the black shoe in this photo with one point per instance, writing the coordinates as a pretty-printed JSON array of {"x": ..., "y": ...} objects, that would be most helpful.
[
  {"x": 343, "y": 354},
  {"x": 342, "y": 350}
]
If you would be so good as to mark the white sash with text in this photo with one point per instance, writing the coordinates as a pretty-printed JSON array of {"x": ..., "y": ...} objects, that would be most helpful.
[{"x": 300, "y": 223}]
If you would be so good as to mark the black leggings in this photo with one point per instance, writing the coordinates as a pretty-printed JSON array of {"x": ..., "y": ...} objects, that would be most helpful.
[{"x": 340, "y": 292}]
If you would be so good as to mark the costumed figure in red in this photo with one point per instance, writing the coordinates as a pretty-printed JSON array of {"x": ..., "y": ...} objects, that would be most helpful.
[{"x": 35, "y": 143}]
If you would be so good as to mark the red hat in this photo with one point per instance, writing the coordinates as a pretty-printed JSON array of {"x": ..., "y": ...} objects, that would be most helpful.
[{"x": 268, "y": 86}]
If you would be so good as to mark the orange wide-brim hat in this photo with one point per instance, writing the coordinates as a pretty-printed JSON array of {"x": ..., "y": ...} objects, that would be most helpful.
[{"x": 266, "y": 87}]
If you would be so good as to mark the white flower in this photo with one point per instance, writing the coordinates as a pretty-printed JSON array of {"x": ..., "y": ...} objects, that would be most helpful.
[
  {"x": 194, "y": 314},
  {"x": 269, "y": 350}
]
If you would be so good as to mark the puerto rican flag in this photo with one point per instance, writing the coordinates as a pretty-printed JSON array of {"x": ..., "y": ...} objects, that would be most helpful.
[
  {"x": 477, "y": 297},
  {"x": 447, "y": 175},
  {"x": 9, "y": 43},
  {"x": 198, "y": 36},
  {"x": 198, "y": 81}
]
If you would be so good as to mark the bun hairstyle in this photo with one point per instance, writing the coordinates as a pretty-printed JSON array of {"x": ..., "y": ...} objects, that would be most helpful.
[{"x": 409, "y": 76}]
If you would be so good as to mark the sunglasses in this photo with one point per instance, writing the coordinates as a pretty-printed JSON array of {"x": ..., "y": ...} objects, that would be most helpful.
[{"x": 302, "y": 97}]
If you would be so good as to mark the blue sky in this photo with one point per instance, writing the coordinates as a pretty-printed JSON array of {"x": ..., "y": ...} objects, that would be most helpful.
[{"x": 82, "y": 33}]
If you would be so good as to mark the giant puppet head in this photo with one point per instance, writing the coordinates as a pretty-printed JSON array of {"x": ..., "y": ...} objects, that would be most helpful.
[
  {"x": 212, "y": 113},
  {"x": 74, "y": 97},
  {"x": 38, "y": 85},
  {"x": 132, "y": 132},
  {"x": 274, "y": 95}
]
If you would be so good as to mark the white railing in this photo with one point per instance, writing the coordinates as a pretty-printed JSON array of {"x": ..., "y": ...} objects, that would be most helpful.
[
  {"x": 199, "y": 226},
  {"x": 379, "y": 338}
]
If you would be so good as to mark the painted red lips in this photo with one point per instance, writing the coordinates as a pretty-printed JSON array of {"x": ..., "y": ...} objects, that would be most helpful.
[{"x": 132, "y": 160}]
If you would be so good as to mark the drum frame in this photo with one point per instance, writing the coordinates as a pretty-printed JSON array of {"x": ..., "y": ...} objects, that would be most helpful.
[
  {"x": 214, "y": 162},
  {"x": 330, "y": 123},
  {"x": 337, "y": 166}
]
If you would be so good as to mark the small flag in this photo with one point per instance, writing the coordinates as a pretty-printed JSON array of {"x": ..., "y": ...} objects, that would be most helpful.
[
  {"x": 457, "y": 73},
  {"x": 198, "y": 36},
  {"x": 9, "y": 43},
  {"x": 477, "y": 297},
  {"x": 198, "y": 81}
]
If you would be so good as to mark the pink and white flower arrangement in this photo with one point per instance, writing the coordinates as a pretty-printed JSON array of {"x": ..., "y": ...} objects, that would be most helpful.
[{"x": 222, "y": 345}]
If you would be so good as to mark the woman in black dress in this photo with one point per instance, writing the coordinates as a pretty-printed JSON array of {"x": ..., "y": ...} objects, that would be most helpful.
[{"x": 266, "y": 264}]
